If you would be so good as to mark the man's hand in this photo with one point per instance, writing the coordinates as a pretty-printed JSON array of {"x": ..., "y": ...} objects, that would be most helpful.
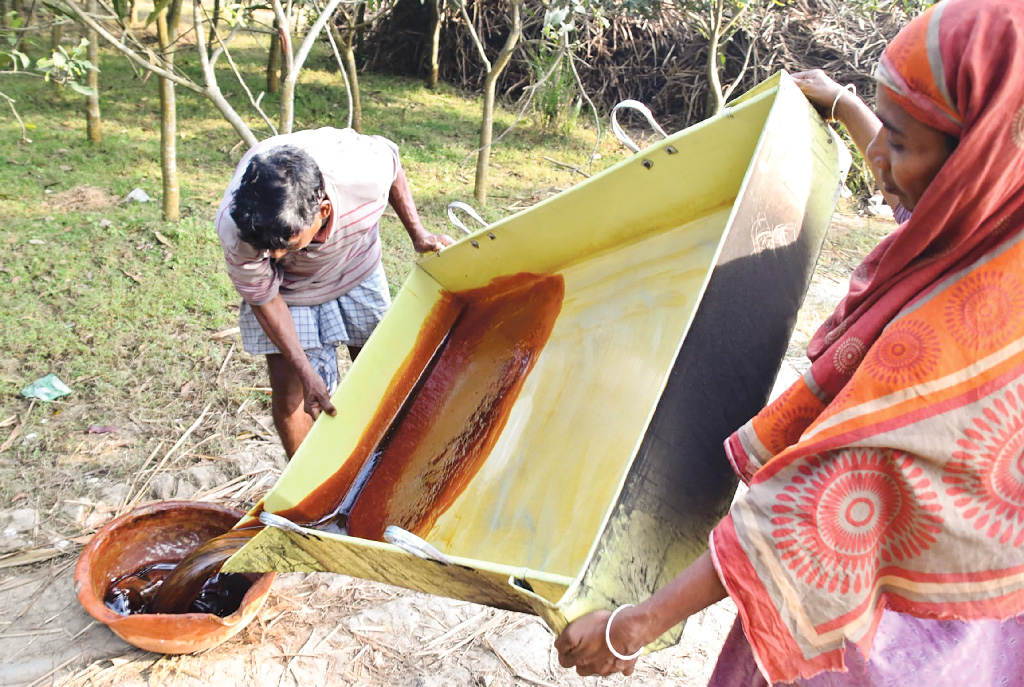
[
  {"x": 426, "y": 242},
  {"x": 315, "y": 392}
]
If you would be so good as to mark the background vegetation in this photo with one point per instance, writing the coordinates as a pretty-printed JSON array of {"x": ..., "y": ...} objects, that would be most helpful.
[
  {"x": 134, "y": 312},
  {"x": 121, "y": 304}
]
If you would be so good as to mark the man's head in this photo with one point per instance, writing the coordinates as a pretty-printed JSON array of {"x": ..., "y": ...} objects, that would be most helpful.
[{"x": 280, "y": 203}]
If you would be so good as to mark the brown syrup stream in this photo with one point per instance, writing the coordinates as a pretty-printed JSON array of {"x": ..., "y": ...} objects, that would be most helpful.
[
  {"x": 192, "y": 585},
  {"x": 448, "y": 405}
]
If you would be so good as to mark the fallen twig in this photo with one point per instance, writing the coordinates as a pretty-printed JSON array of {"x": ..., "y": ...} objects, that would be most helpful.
[
  {"x": 565, "y": 165},
  {"x": 516, "y": 673},
  {"x": 224, "y": 365}
]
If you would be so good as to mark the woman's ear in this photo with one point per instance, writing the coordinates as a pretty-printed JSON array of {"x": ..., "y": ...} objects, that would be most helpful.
[{"x": 325, "y": 209}]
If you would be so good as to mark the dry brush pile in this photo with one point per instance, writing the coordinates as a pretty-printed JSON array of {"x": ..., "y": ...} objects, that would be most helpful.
[{"x": 658, "y": 57}]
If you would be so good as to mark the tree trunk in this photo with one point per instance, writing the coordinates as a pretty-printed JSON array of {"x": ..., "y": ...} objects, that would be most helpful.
[
  {"x": 353, "y": 83},
  {"x": 483, "y": 158},
  {"x": 361, "y": 30},
  {"x": 214, "y": 20},
  {"x": 168, "y": 120},
  {"x": 274, "y": 61},
  {"x": 94, "y": 128},
  {"x": 435, "y": 42},
  {"x": 286, "y": 108},
  {"x": 715, "y": 100},
  {"x": 490, "y": 86}
]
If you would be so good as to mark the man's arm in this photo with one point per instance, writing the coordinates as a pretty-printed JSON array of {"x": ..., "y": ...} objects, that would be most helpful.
[
  {"x": 405, "y": 207},
  {"x": 277, "y": 323}
]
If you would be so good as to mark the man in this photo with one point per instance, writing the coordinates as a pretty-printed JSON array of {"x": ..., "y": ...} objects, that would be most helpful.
[{"x": 299, "y": 225}]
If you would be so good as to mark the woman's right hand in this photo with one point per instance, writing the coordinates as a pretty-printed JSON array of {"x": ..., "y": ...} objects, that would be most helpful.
[
  {"x": 819, "y": 88},
  {"x": 582, "y": 645}
]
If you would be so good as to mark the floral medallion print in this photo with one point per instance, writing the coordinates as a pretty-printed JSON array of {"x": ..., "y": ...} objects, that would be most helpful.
[
  {"x": 789, "y": 423},
  {"x": 844, "y": 514},
  {"x": 1017, "y": 129},
  {"x": 905, "y": 353},
  {"x": 848, "y": 355},
  {"x": 985, "y": 478},
  {"x": 982, "y": 308}
]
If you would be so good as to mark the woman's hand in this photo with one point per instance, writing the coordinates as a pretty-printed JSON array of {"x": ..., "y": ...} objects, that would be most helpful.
[
  {"x": 582, "y": 645},
  {"x": 819, "y": 89}
]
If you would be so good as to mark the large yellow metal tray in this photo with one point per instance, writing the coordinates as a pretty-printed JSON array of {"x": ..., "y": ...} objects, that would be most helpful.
[{"x": 683, "y": 268}]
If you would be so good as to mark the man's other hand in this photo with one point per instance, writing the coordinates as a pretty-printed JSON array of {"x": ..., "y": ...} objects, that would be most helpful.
[
  {"x": 429, "y": 243},
  {"x": 317, "y": 398}
]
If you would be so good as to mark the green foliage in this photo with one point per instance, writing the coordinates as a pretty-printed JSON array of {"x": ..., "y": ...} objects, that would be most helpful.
[
  {"x": 112, "y": 297},
  {"x": 61, "y": 67},
  {"x": 66, "y": 69},
  {"x": 559, "y": 21},
  {"x": 557, "y": 100}
]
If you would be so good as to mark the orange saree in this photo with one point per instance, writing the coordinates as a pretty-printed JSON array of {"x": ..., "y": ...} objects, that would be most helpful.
[{"x": 892, "y": 475}]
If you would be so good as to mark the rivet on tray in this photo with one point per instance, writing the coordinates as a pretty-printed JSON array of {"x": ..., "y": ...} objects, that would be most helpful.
[
  {"x": 671, "y": 150},
  {"x": 474, "y": 244},
  {"x": 491, "y": 235},
  {"x": 648, "y": 164}
]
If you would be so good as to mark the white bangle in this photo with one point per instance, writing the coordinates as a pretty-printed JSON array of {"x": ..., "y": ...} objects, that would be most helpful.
[
  {"x": 608, "y": 638},
  {"x": 832, "y": 112}
]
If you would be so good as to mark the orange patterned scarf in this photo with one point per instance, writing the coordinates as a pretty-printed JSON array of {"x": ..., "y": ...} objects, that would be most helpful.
[{"x": 892, "y": 474}]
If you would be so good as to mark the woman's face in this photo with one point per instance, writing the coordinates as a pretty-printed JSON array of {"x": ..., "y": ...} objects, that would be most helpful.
[{"x": 907, "y": 153}]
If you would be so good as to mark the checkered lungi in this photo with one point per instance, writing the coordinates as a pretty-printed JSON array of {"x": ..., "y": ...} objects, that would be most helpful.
[{"x": 348, "y": 319}]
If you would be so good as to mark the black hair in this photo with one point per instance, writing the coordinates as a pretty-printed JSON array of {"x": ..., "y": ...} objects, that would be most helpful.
[{"x": 278, "y": 197}]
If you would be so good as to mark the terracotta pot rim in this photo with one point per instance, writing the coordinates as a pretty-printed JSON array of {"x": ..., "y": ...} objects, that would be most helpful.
[{"x": 94, "y": 605}]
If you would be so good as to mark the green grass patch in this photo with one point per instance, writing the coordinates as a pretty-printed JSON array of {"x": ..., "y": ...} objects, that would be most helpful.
[{"x": 122, "y": 304}]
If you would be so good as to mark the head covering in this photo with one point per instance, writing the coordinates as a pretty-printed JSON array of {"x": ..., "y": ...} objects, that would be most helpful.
[
  {"x": 959, "y": 68},
  {"x": 890, "y": 475}
]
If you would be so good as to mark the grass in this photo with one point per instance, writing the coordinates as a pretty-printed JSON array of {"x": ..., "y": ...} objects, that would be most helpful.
[{"x": 121, "y": 305}]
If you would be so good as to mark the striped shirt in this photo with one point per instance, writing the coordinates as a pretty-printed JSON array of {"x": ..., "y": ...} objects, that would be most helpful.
[{"x": 358, "y": 173}]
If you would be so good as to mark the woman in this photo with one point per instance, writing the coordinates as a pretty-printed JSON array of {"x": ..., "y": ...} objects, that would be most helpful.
[{"x": 886, "y": 500}]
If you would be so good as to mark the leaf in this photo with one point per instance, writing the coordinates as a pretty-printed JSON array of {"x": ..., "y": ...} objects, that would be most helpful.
[
  {"x": 121, "y": 8},
  {"x": 84, "y": 90},
  {"x": 555, "y": 17},
  {"x": 158, "y": 7}
]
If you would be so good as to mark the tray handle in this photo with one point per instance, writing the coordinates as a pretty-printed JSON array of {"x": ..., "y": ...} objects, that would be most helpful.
[
  {"x": 642, "y": 109},
  {"x": 468, "y": 209}
]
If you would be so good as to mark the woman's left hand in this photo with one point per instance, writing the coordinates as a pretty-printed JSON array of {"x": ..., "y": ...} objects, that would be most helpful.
[{"x": 582, "y": 645}]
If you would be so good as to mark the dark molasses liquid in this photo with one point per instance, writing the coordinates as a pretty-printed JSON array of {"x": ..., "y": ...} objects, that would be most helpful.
[{"x": 193, "y": 585}]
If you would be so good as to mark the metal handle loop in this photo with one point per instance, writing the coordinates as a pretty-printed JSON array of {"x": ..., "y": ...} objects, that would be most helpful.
[
  {"x": 410, "y": 543},
  {"x": 273, "y": 520},
  {"x": 642, "y": 109},
  {"x": 468, "y": 209}
]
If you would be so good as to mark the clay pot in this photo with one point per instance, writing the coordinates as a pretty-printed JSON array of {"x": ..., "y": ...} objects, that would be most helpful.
[{"x": 164, "y": 531}]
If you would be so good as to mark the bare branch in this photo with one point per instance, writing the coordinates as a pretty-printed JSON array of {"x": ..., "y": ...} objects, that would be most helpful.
[
  {"x": 150, "y": 66},
  {"x": 310, "y": 39},
  {"x": 730, "y": 26},
  {"x": 473, "y": 34},
  {"x": 743, "y": 70},
  {"x": 593, "y": 108},
  {"x": 344, "y": 74},
  {"x": 24, "y": 131},
  {"x": 234, "y": 68}
]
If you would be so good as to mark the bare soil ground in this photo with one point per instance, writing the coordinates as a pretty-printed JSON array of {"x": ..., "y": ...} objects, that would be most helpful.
[{"x": 315, "y": 629}]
